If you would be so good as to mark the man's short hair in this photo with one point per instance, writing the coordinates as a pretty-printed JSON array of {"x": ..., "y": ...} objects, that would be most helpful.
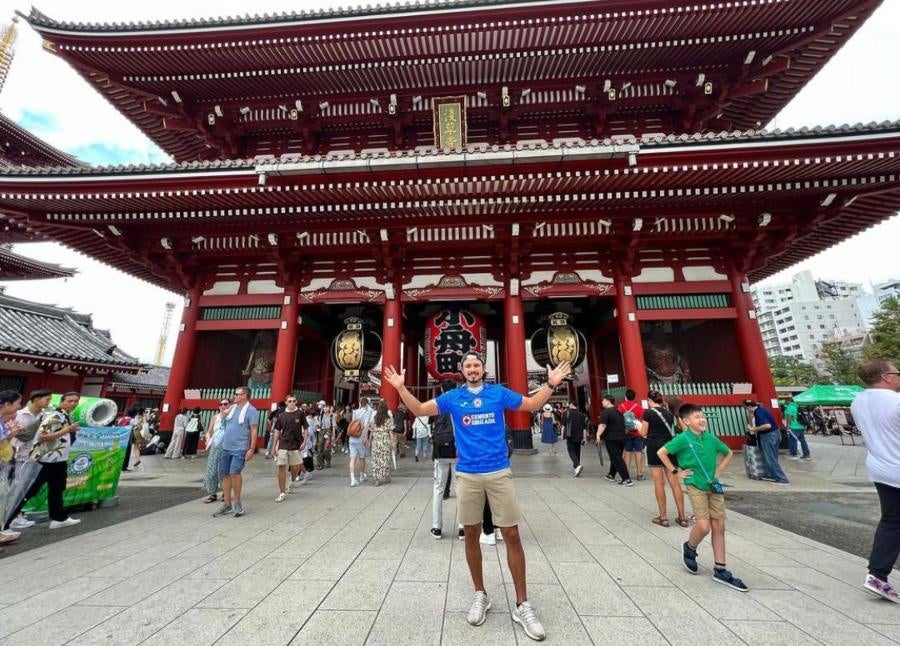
[
  {"x": 363, "y": 401},
  {"x": 630, "y": 394},
  {"x": 870, "y": 371},
  {"x": 749, "y": 403},
  {"x": 9, "y": 396},
  {"x": 40, "y": 392},
  {"x": 686, "y": 410},
  {"x": 244, "y": 389},
  {"x": 609, "y": 398},
  {"x": 71, "y": 393}
]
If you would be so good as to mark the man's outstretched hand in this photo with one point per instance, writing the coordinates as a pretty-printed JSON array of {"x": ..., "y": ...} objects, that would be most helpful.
[
  {"x": 394, "y": 378},
  {"x": 555, "y": 376}
]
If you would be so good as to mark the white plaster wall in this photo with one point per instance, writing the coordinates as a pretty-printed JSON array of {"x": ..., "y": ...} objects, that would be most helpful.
[
  {"x": 223, "y": 288},
  {"x": 702, "y": 272},
  {"x": 655, "y": 275},
  {"x": 263, "y": 287}
]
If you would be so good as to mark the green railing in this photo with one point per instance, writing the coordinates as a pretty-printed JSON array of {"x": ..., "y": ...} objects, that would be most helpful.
[
  {"x": 683, "y": 302},
  {"x": 726, "y": 420},
  {"x": 701, "y": 388},
  {"x": 226, "y": 393},
  {"x": 240, "y": 313}
]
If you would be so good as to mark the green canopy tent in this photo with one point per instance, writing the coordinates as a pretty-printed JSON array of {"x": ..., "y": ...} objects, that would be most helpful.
[{"x": 828, "y": 395}]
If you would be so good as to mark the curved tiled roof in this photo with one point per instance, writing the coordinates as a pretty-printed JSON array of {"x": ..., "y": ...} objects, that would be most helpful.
[
  {"x": 155, "y": 378},
  {"x": 18, "y": 144},
  {"x": 16, "y": 267},
  {"x": 40, "y": 19},
  {"x": 48, "y": 332},
  {"x": 649, "y": 141}
]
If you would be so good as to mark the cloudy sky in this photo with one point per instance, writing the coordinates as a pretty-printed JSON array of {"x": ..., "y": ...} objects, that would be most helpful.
[{"x": 46, "y": 96}]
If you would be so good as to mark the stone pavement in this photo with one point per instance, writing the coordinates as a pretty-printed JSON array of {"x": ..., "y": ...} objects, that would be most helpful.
[{"x": 358, "y": 566}]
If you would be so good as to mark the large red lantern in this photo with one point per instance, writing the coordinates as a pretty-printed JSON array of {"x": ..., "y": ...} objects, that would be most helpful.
[{"x": 449, "y": 334}]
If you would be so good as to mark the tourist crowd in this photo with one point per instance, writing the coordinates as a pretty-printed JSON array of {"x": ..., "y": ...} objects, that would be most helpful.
[{"x": 463, "y": 432}]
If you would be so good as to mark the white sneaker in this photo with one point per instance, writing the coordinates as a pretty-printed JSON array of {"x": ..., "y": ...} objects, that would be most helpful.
[
  {"x": 9, "y": 536},
  {"x": 525, "y": 616},
  {"x": 498, "y": 534},
  {"x": 578, "y": 470},
  {"x": 306, "y": 479},
  {"x": 353, "y": 482},
  {"x": 290, "y": 487},
  {"x": 281, "y": 497},
  {"x": 20, "y": 522},
  {"x": 363, "y": 477},
  {"x": 68, "y": 522},
  {"x": 487, "y": 539},
  {"x": 478, "y": 610}
]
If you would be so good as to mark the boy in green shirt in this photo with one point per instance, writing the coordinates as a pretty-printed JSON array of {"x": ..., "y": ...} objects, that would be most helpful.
[{"x": 697, "y": 451}]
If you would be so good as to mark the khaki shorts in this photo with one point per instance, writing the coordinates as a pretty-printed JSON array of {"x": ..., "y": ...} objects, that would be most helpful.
[
  {"x": 706, "y": 505},
  {"x": 500, "y": 490},
  {"x": 289, "y": 458}
]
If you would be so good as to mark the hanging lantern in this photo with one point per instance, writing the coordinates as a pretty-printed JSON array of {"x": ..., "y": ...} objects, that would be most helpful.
[
  {"x": 355, "y": 350},
  {"x": 449, "y": 334},
  {"x": 558, "y": 341}
]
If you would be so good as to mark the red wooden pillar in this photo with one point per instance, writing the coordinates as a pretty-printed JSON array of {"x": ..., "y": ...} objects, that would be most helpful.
[
  {"x": 286, "y": 348},
  {"x": 630, "y": 338},
  {"x": 516, "y": 368},
  {"x": 411, "y": 365},
  {"x": 182, "y": 361},
  {"x": 329, "y": 377},
  {"x": 392, "y": 330},
  {"x": 597, "y": 378},
  {"x": 750, "y": 342}
]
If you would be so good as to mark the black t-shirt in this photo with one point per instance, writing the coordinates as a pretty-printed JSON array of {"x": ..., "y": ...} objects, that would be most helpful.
[
  {"x": 615, "y": 424},
  {"x": 659, "y": 429},
  {"x": 291, "y": 425}
]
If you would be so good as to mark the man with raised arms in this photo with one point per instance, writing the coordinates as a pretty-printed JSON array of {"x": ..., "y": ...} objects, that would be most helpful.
[{"x": 483, "y": 470}]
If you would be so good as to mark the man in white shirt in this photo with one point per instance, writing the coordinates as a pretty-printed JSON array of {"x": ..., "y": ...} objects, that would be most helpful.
[
  {"x": 876, "y": 411},
  {"x": 28, "y": 418},
  {"x": 358, "y": 451}
]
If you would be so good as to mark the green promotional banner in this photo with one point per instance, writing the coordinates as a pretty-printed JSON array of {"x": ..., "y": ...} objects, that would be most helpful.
[{"x": 95, "y": 464}]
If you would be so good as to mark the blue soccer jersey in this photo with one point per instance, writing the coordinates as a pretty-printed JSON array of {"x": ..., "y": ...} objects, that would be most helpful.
[{"x": 479, "y": 426}]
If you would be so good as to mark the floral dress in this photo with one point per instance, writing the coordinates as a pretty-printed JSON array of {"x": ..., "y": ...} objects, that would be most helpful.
[
  {"x": 213, "y": 455},
  {"x": 381, "y": 450}
]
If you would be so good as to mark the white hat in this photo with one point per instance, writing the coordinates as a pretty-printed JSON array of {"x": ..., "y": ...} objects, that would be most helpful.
[{"x": 548, "y": 407}]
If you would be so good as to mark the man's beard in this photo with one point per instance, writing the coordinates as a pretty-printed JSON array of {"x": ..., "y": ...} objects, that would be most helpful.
[{"x": 474, "y": 381}]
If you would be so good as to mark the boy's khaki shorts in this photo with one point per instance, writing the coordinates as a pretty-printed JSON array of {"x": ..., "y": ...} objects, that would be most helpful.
[
  {"x": 500, "y": 490},
  {"x": 706, "y": 505}
]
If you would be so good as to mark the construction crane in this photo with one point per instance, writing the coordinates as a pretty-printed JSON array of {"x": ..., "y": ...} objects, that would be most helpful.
[{"x": 164, "y": 334}]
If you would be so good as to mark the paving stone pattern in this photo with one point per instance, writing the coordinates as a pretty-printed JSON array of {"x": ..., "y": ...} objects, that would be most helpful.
[{"x": 342, "y": 565}]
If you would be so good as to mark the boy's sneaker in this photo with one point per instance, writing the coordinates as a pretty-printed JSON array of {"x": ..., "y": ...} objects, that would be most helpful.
[
  {"x": 436, "y": 533},
  {"x": 882, "y": 588},
  {"x": 525, "y": 616},
  {"x": 281, "y": 497},
  {"x": 488, "y": 539},
  {"x": 627, "y": 483},
  {"x": 578, "y": 470},
  {"x": 224, "y": 510},
  {"x": 478, "y": 610},
  {"x": 238, "y": 510},
  {"x": 727, "y": 578},
  {"x": 689, "y": 558},
  {"x": 611, "y": 478}
]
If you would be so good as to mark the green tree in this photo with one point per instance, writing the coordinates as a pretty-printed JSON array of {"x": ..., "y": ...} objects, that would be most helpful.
[
  {"x": 885, "y": 332},
  {"x": 840, "y": 365},
  {"x": 790, "y": 371}
]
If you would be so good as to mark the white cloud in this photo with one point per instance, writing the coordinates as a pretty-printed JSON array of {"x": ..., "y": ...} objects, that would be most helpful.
[{"x": 855, "y": 86}]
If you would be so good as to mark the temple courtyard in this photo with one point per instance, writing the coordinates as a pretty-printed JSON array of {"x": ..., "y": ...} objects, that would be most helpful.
[{"x": 341, "y": 565}]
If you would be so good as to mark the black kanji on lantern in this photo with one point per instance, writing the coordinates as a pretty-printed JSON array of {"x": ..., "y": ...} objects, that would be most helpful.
[{"x": 450, "y": 334}]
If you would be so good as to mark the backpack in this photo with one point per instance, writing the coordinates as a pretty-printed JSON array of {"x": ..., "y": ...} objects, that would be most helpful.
[
  {"x": 355, "y": 428},
  {"x": 632, "y": 424},
  {"x": 442, "y": 437}
]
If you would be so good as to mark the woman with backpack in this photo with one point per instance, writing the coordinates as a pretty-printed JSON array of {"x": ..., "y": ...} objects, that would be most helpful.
[
  {"x": 380, "y": 439},
  {"x": 660, "y": 429}
]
